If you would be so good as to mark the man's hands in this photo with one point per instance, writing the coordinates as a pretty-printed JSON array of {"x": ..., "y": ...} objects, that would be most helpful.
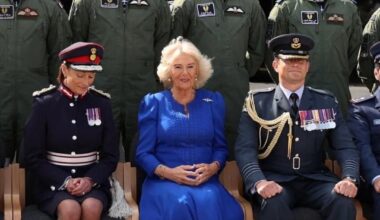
[
  {"x": 79, "y": 186},
  {"x": 268, "y": 189},
  {"x": 346, "y": 188},
  {"x": 192, "y": 175}
]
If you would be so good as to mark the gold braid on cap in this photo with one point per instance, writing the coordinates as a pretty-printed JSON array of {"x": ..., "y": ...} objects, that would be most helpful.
[{"x": 277, "y": 123}]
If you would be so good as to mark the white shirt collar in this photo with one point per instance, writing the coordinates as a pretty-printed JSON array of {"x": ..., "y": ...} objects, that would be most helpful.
[{"x": 287, "y": 93}]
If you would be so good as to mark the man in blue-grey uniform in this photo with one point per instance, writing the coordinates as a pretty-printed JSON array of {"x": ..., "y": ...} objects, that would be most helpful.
[
  {"x": 364, "y": 123},
  {"x": 281, "y": 133}
]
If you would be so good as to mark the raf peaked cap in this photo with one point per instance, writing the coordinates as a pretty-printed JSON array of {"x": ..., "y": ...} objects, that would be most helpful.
[
  {"x": 83, "y": 56},
  {"x": 291, "y": 46},
  {"x": 375, "y": 52}
]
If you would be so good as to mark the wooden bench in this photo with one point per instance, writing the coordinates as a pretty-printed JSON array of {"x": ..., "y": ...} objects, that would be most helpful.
[
  {"x": 6, "y": 193},
  {"x": 18, "y": 189}
]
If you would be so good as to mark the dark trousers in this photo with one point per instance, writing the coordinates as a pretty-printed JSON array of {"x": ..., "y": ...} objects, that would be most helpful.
[
  {"x": 314, "y": 194},
  {"x": 376, "y": 204}
]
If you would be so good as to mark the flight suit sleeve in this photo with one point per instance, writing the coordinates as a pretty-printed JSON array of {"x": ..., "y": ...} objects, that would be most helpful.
[
  {"x": 256, "y": 44},
  {"x": 277, "y": 24},
  {"x": 59, "y": 37},
  {"x": 355, "y": 40},
  {"x": 246, "y": 152},
  {"x": 371, "y": 34},
  {"x": 181, "y": 17},
  {"x": 79, "y": 19},
  {"x": 162, "y": 31}
]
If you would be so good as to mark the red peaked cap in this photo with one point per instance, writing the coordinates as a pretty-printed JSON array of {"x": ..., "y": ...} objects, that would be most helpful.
[{"x": 82, "y": 53}]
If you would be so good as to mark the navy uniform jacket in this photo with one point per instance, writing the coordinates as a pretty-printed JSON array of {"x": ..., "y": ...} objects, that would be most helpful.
[
  {"x": 307, "y": 144},
  {"x": 364, "y": 123},
  {"x": 59, "y": 123}
]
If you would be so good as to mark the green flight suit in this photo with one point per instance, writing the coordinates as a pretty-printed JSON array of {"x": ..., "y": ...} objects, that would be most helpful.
[
  {"x": 32, "y": 32},
  {"x": 371, "y": 35},
  {"x": 336, "y": 30},
  {"x": 228, "y": 32},
  {"x": 133, "y": 35}
]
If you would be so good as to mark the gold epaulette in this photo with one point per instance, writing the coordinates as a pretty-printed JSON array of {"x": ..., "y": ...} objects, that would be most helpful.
[
  {"x": 44, "y": 91},
  {"x": 100, "y": 92}
]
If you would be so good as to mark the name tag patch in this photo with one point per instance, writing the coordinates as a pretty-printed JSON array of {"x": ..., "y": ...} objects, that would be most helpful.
[
  {"x": 7, "y": 12},
  {"x": 309, "y": 17},
  {"x": 109, "y": 3},
  {"x": 206, "y": 9}
]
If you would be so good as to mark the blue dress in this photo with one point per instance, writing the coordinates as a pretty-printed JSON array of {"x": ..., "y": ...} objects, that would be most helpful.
[{"x": 168, "y": 136}]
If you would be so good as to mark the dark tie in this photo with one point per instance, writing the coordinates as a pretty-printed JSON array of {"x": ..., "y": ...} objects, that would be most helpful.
[{"x": 293, "y": 103}]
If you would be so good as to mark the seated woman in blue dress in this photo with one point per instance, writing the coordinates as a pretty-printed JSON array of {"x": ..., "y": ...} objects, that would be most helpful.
[
  {"x": 71, "y": 143},
  {"x": 182, "y": 146}
]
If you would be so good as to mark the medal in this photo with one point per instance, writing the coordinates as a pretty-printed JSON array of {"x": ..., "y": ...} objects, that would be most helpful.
[{"x": 97, "y": 117}]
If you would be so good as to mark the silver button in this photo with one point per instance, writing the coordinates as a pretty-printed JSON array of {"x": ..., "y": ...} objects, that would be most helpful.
[
  {"x": 52, "y": 188},
  {"x": 71, "y": 104},
  {"x": 296, "y": 122},
  {"x": 73, "y": 171},
  {"x": 74, "y": 137},
  {"x": 296, "y": 139},
  {"x": 73, "y": 153},
  {"x": 73, "y": 121}
]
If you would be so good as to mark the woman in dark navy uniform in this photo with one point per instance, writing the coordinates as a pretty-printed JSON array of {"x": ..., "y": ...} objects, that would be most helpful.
[{"x": 71, "y": 144}]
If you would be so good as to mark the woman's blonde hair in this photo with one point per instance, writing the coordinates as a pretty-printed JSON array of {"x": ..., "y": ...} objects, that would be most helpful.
[{"x": 174, "y": 49}]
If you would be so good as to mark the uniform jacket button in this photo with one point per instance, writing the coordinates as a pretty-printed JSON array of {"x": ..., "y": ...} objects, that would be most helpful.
[
  {"x": 52, "y": 188},
  {"x": 72, "y": 153},
  {"x": 73, "y": 171},
  {"x": 296, "y": 139},
  {"x": 74, "y": 137},
  {"x": 71, "y": 104},
  {"x": 73, "y": 121}
]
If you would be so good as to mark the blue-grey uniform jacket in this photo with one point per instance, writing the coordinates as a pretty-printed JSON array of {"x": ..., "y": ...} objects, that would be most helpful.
[
  {"x": 364, "y": 123},
  {"x": 307, "y": 145}
]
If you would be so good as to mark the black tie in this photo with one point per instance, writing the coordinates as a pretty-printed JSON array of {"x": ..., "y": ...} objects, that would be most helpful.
[{"x": 293, "y": 103}]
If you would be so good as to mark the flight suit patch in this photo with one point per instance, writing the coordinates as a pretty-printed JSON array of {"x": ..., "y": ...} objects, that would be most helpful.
[
  {"x": 335, "y": 18},
  {"x": 234, "y": 10},
  {"x": 206, "y": 9},
  {"x": 27, "y": 12},
  {"x": 309, "y": 17},
  {"x": 139, "y": 3},
  {"x": 7, "y": 12},
  {"x": 109, "y": 3}
]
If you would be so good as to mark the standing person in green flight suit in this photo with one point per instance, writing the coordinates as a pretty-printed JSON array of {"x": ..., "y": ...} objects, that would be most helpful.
[
  {"x": 32, "y": 33},
  {"x": 371, "y": 35},
  {"x": 133, "y": 32},
  {"x": 336, "y": 29},
  {"x": 232, "y": 33}
]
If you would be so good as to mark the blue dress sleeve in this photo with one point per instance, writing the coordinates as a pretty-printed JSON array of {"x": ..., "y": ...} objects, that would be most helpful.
[
  {"x": 147, "y": 121},
  {"x": 219, "y": 143}
]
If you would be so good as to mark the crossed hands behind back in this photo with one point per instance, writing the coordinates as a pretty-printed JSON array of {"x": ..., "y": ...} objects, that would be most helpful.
[{"x": 192, "y": 175}]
